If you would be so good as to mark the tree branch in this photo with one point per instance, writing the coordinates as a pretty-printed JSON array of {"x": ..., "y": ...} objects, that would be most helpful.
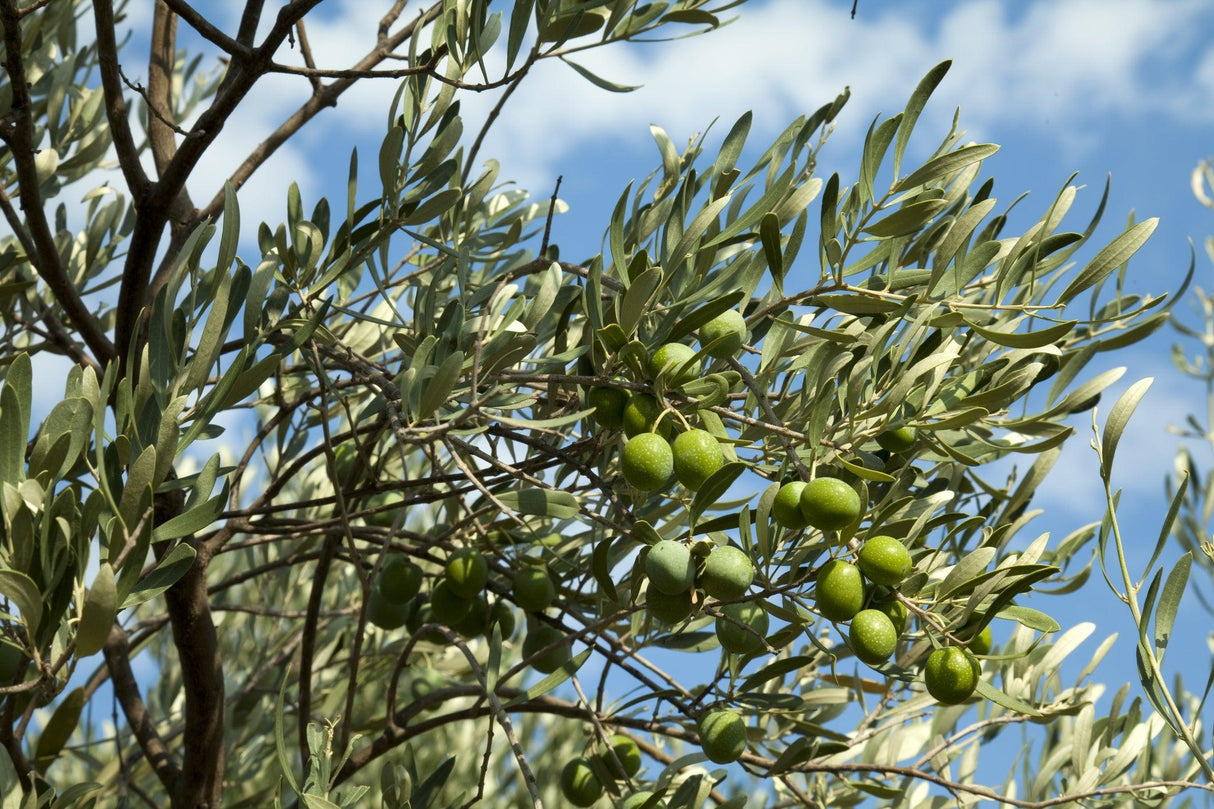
[
  {"x": 117, "y": 653},
  {"x": 160, "y": 86},
  {"x": 116, "y": 111},
  {"x": 201, "y": 782},
  {"x": 326, "y": 97},
  {"x": 206, "y": 30},
  {"x": 20, "y": 138}
]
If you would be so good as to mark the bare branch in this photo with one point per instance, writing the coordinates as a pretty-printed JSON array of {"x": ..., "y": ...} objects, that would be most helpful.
[
  {"x": 327, "y": 97},
  {"x": 208, "y": 31},
  {"x": 116, "y": 110},
  {"x": 160, "y": 86},
  {"x": 117, "y": 653},
  {"x": 20, "y": 138}
]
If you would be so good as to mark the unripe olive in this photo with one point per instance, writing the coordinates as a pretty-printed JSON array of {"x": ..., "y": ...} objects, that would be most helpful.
[
  {"x": 722, "y": 735},
  {"x": 670, "y": 567},
  {"x": 727, "y": 573}
]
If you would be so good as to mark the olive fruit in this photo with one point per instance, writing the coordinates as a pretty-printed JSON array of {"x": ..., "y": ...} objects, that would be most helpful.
[
  {"x": 399, "y": 580},
  {"x": 786, "y": 508},
  {"x": 899, "y": 440},
  {"x": 743, "y": 628},
  {"x": 674, "y": 359},
  {"x": 382, "y": 612},
  {"x": 727, "y": 573},
  {"x": 425, "y": 683},
  {"x": 667, "y": 608},
  {"x": 448, "y": 607},
  {"x": 12, "y": 659},
  {"x": 723, "y": 335},
  {"x": 641, "y": 414},
  {"x": 894, "y": 610},
  {"x": 839, "y": 590},
  {"x": 477, "y": 620},
  {"x": 697, "y": 454},
  {"x": 884, "y": 560},
  {"x": 579, "y": 784},
  {"x": 627, "y": 753},
  {"x": 980, "y": 644},
  {"x": 384, "y": 517},
  {"x": 608, "y": 405},
  {"x": 951, "y": 674},
  {"x": 829, "y": 504},
  {"x": 503, "y": 616},
  {"x": 670, "y": 567},
  {"x": 722, "y": 735},
  {"x": 647, "y": 462},
  {"x": 542, "y": 635},
  {"x": 533, "y": 589},
  {"x": 872, "y": 636},
  {"x": 466, "y": 572}
]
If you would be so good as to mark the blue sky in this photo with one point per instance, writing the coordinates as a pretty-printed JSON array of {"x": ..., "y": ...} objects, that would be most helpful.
[{"x": 1098, "y": 87}]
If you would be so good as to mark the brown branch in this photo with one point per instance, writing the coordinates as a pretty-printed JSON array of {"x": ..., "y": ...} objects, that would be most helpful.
[
  {"x": 305, "y": 49},
  {"x": 117, "y": 652},
  {"x": 116, "y": 110},
  {"x": 20, "y": 138},
  {"x": 315, "y": 74},
  {"x": 31, "y": 8},
  {"x": 137, "y": 88},
  {"x": 161, "y": 130},
  {"x": 203, "y": 756},
  {"x": 165, "y": 198},
  {"x": 327, "y": 97},
  {"x": 249, "y": 20},
  {"x": 208, "y": 31},
  {"x": 161, "y": 59}
]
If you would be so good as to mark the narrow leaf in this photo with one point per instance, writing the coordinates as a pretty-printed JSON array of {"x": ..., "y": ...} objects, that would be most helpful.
[
  {"x": 21, "y": 590},
  {"x": 918, "y": 100},
  {"x": 1001, "y": 697},
  {"x": 168, "y": 571},
  {"x": 599, "y": 81},
  {"x": 769, "y": 232},
  {"x": 947, "y": 164},
  {"x": 715, "y": 487},
  {"x": 1119, "y": 417},
  {"x": 1115, "y": 254},
  {"x": 542, "y": 502},
  {"x": 1169, "y": 602},
  {"x": 439, "y": 387},
  {"x": 97, "y": 615},
  {"x": 59, "y": 729},
  {"x": 1033, "y": 619}
]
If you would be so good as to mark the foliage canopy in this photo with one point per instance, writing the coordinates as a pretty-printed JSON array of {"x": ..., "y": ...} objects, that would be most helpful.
[{"x": 426, "y": 580}]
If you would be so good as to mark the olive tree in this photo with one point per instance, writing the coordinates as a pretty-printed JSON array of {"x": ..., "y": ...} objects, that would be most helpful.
[{"x": 719, "y": 515}]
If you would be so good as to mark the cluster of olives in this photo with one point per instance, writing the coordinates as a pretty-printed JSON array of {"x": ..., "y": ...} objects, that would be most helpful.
[
  {"x": 456, "y": 599},
  {"x": 650, "y": 457},
  {"x": 722, "y": 735},
  {"x": 725, "y": 574},
  {"x": 582, "y": 778},
  {"x": 842, "y": 588}
]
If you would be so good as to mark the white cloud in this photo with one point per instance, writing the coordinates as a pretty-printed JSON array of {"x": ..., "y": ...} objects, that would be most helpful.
[{"x": 1060, "y": 66}]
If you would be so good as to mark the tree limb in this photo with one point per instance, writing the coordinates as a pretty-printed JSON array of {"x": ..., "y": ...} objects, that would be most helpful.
[
  {"x": 117, "y": 653},
  {"x": 20, "y": 138}
]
